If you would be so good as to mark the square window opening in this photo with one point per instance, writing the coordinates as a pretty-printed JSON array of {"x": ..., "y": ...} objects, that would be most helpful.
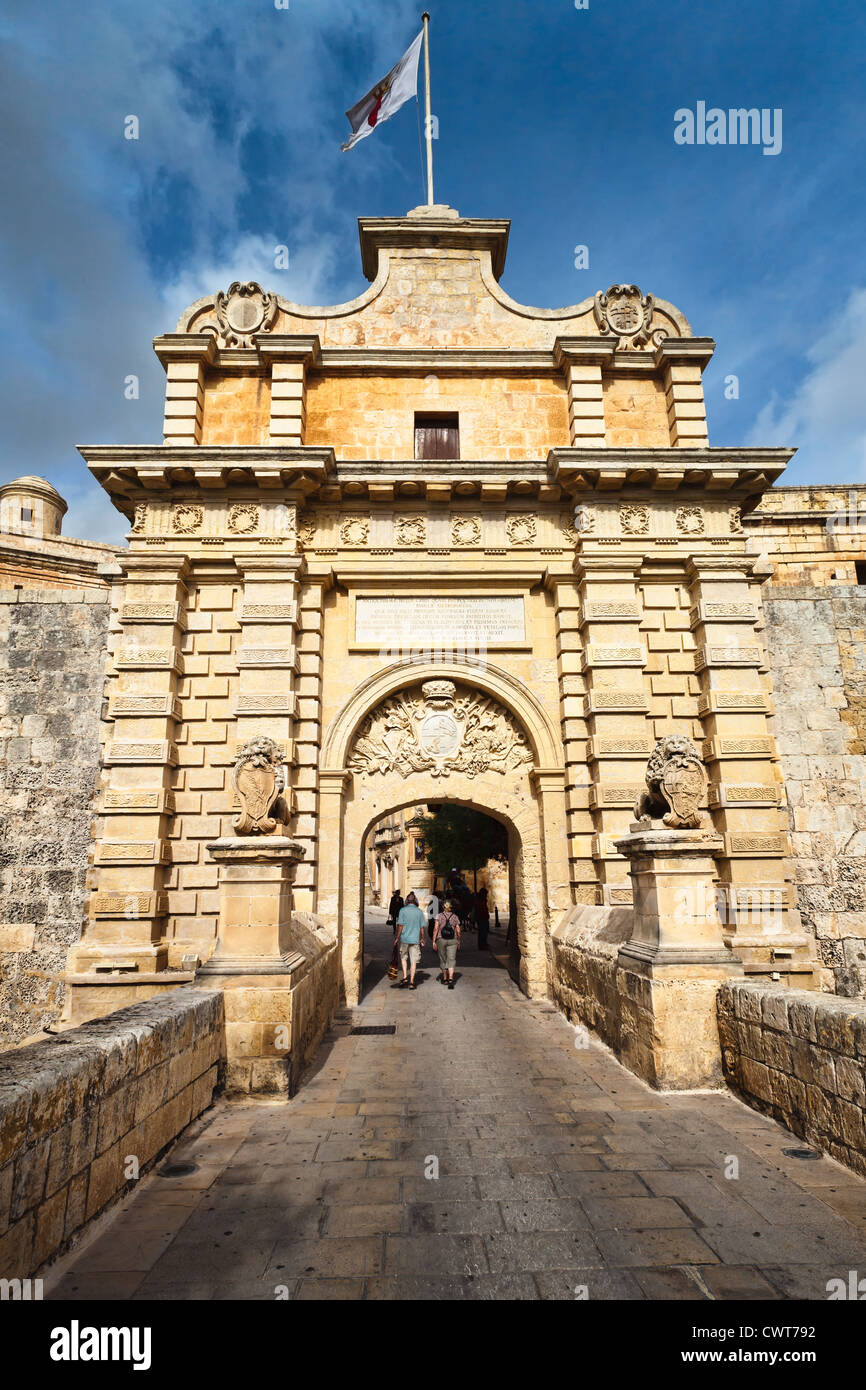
[{"x": 437, "y": 437}]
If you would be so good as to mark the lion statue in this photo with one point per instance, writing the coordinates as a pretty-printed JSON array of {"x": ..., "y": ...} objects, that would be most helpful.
[{"x": 676, "y": 782}]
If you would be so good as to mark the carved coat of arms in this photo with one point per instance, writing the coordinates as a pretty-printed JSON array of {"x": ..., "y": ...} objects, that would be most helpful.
[
  {"x": 676, "y": 782},
  {"x": 627, "y": 314},
  {"x": 254, "y": 779},
  {"x": 440, "y": 732}
]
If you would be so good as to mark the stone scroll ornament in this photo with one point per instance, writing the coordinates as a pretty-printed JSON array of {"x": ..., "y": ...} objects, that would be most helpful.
[
  {"x": 676, "y": 783},
  {"x": 442, "y": 732},
  {"x": 254, "y": 779}
]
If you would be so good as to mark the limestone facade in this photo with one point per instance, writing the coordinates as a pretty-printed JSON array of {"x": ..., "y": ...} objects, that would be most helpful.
[{"x": 513, "y": 626}]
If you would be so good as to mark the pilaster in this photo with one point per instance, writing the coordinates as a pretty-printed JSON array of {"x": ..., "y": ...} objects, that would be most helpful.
[
  {"x": 616, "y": 707},
  {"x": 745, "y": 793},
  {"x": 185, "y": 358},
  {"x": 125, "y": 933},
  {"x": 289, "y": 357}
]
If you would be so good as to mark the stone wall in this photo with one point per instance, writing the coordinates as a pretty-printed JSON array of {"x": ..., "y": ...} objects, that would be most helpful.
[
  {"x": 74, "y": 1110},
  {"x": 799, "y": 1056},
  {"x": 816, "y": 645},
  {"x": 51, "y": 677}
]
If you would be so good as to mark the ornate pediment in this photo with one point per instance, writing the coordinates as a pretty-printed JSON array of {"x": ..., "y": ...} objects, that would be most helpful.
[{"x": 441, "y": 730}]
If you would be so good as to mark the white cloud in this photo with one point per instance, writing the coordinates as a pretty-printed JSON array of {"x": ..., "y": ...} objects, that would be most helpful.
[
  {"x": 74, "y": 259},
  {"x": 826, "y": 415}
]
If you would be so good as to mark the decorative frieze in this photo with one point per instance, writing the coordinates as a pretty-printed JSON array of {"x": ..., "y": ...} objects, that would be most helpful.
[
  {"x": 130, "y": 852},
  {"x": 619, "y": 746},
  {"x": 129, "y": 905},
  {"x": 753, "y": 794},
  {"x": 595, "y": 654},
  {"x": 610, "y": 613},
  {"x": 139, "y": 800},
  {"x": 144, "y": 706},
  {"x": 732, "y": 655},
  {"x": 282, "y": 703},
  {"x": 614, "y": 794},
  {"x": 615, "y": 701},
  {"x": 730, "y": 701},
  {"x": 157, "y": 751},
  {"x": 710, "y": 612},
  {"x": 269, "y": 612},
  {"x": 753, "y": 846},
  {"x": 746, "y": 746},
  {"x": 134, "y": 658},
  {"x": 279, "y": 658},
  {"x": 150, "y": 612}
]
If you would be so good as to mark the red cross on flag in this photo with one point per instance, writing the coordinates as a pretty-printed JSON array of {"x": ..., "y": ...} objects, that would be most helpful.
[{"x": 386, "y": 98}]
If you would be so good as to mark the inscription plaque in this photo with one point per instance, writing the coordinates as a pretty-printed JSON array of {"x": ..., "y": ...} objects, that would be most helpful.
[{"x": 489, "y": 619}]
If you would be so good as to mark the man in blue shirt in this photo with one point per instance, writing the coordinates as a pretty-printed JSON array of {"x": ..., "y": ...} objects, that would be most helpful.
[{"x": 410, "y": 927}]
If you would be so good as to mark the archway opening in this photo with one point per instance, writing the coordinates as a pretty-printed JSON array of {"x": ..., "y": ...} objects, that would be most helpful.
[{"x": 440, "y": 851}]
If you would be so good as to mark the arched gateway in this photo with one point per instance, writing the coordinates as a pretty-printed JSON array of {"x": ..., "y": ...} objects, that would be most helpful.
[
  {"x": 437, "y": 732},
  {"x": 432, "y": 545}
]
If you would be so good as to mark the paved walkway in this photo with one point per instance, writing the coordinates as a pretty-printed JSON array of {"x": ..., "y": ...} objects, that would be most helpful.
[{"x": 557, "y": 1171}]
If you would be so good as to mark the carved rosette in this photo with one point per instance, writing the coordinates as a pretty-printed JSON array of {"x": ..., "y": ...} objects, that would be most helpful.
[
  {"x": 521, "y": 528},
  {"x": 676, "y": 784},
  {"x": 254, "y": 779},
  {"x": 439, "y": 731},
  {"x": 411, "y": 530},
  {"x": 187, "y": 518},
  {"x": 634, "y": 520},
  {"x": 243, "y": 519},
  {"x": 690, "y": 521},
  {"x": 465, "y": 530}
]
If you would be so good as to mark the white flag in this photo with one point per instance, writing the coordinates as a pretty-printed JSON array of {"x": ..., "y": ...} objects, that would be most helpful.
[{"x": 386, "y": 98}]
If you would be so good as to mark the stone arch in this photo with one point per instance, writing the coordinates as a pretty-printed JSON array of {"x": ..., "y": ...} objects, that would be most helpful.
[
  {"x": 516, "y": 697},
  {"x": 529, "y": 799},
  {"x": 515, "y": 808}
]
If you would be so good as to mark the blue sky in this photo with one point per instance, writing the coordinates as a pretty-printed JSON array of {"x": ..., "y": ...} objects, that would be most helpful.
[{"x": 561, "y": 119}]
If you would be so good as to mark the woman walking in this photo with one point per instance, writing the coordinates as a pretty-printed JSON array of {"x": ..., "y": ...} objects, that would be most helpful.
[{"x": 446, "y": 939}]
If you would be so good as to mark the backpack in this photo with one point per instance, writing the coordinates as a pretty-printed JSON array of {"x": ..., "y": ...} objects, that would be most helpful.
[{"x": 447, "y": 933}]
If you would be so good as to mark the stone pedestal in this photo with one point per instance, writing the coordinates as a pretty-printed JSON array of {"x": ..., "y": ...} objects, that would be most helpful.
[
  {"x": 256, "y": 963},
  {"x": 256, "y": 875},
  {"x": 671, "y": 969}
]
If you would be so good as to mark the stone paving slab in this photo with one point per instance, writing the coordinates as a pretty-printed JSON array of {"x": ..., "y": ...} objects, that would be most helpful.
[{"x": 475, "y": 1155}]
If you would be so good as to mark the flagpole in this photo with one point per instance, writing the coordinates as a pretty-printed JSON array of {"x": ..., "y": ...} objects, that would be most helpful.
[{"x": 429, "y": 124}]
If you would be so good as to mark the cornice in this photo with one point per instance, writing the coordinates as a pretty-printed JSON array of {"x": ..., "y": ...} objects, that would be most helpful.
[
  {"x": 429, "y": 231},
  {"x": 582, "y": 470}
]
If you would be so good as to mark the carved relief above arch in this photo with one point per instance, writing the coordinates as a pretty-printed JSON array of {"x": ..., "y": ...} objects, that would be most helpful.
[
  {"x": 542, "y": 736},
  {"x": 440, "y": 728}
]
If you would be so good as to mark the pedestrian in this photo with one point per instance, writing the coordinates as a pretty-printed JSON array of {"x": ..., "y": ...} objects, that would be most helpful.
[
  {"x": 394, "y": 907},
  {"x": 446, "y": 939},
  {"x": 482, "y": 918},
  {"x": 410, "y": 926},
  {"x": 432, "y": 914}
]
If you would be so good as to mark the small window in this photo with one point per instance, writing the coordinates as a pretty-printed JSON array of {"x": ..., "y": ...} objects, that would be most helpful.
[
  {"x": 860, "y": 570},
  {"x": 437, "y": 437},
  {"x": 26, "y": 513}
]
